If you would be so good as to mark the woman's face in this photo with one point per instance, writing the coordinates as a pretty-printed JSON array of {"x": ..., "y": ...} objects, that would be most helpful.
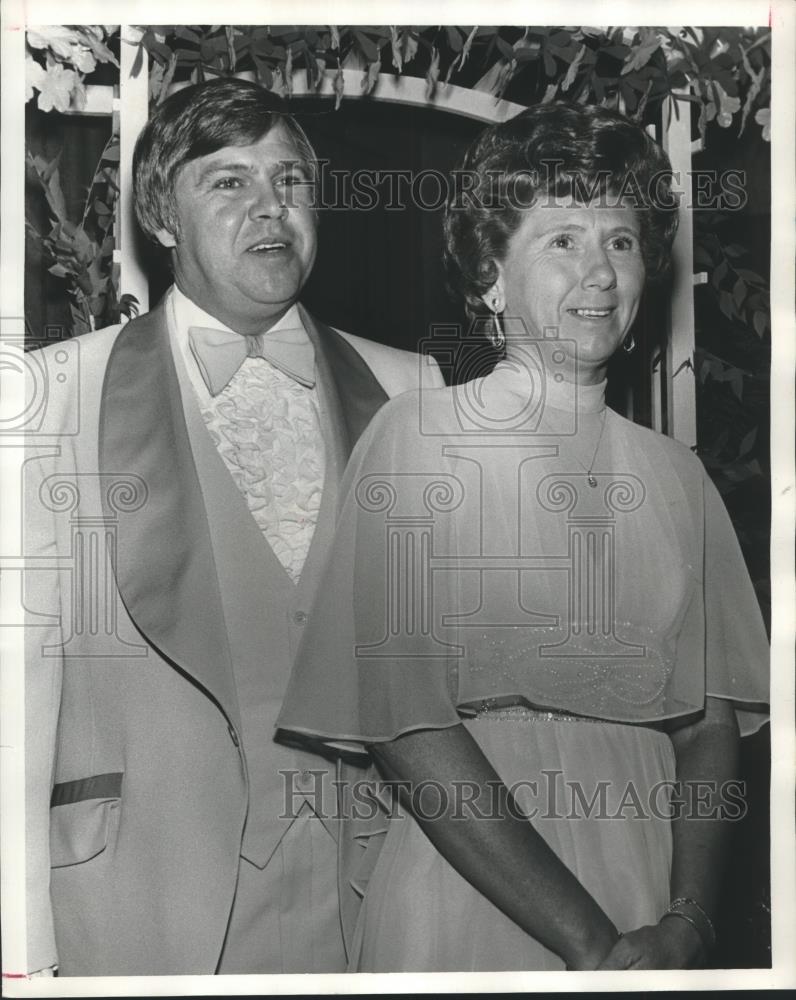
[{"x": 575, "y": 273}]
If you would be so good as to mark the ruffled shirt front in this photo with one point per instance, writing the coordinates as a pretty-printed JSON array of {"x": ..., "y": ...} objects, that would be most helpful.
[
  {"x": 266, "y": 427},
  {"x": 504, "y": 545}
]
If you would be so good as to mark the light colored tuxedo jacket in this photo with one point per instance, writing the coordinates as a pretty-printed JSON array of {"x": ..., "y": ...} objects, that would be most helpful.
[{"x": 149, "y": 772}]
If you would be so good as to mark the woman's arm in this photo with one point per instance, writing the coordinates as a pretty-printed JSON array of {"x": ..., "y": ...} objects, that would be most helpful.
[
  {"x": 707, "y": 758},
  {"x": 505, "y": 858}
]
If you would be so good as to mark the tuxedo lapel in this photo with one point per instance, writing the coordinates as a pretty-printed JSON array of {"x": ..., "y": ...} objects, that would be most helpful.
[
  {"x": 356, "y": 390},
  {"x": 349, "y": 395},
  {"x": 165, "y": 566},
  {"x": 167, "y": 569}
]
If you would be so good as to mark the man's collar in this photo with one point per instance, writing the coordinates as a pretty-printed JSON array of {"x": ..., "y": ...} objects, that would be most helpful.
[{"x": 183, "y": 313}]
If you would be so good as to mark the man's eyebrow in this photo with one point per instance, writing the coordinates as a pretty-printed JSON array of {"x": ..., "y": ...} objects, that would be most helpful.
[
  {"x": 294, "y": 164},
  {"x": 219, "y": 168},
  {"x": 232, "y": 166}
]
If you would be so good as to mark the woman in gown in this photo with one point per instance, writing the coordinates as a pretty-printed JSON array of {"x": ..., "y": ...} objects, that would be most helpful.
[{"x": 536, "y": 617}]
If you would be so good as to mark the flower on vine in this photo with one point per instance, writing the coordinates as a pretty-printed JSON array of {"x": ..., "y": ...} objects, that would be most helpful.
[
  {"x": 56, "y": 87},
  {"x": 60, "y": 39},
  {"x": 34, "y": 76},
  {"x": 728, "y": 106},
  {"x": 79, "y": 46},
  {"x": 763, "y": 118},
  {"x": 82, "y": 59}
]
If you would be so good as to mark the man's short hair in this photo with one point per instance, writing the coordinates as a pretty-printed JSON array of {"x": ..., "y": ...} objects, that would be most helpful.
[{"x": 196, "y": 121}]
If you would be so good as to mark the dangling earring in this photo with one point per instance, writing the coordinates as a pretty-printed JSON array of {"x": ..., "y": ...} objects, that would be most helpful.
[
  {"x": 498, "y": 337},
  {"x": 629, "y": 344}
]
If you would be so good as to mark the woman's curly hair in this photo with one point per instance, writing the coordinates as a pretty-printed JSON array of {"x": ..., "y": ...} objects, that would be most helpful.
[{"x": 562, "y": 150}]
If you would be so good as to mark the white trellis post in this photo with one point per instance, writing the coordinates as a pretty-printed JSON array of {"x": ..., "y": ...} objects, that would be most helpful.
[
  {"x": 133, "y": 111},
  {"x": 677, "y": 411}
]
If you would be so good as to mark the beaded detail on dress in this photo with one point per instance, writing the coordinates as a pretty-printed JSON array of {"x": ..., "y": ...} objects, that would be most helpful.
[
  {"x": 525, "y": 714},
  {"x": 587, "y": 674},
  {"x": 267, "y": 430}
]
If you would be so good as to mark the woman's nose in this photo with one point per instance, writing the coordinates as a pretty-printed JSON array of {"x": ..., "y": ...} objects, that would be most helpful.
[{"x": 598, "y": 272}]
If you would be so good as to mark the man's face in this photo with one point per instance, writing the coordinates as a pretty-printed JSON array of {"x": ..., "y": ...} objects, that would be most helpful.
[{"x": 247, "y": 231}]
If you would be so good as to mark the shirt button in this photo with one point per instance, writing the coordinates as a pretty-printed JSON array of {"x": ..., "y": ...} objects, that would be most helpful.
[{"x": 300, "y": 617}]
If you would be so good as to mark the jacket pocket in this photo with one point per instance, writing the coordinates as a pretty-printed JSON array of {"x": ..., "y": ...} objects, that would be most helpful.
[{"x": 80, "y": 817}]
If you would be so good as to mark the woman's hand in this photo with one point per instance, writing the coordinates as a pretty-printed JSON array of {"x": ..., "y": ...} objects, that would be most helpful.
[
  {"x": 672, "y": 943},
  {"x": 588, "y": 956}
]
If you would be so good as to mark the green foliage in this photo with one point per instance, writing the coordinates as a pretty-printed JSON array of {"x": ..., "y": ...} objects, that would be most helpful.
[
  {"x": 733, "y": 355},
  {"x": 732, "y": 366},
  {"x": 741, "y": 294},
  {"x": 83, "y": 254},
  {"x": 727, "y": 69},
  {"x": 58, "y": 59}
]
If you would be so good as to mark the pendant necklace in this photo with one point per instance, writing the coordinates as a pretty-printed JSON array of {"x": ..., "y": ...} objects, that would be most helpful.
[{"x": 590, "y": 479}]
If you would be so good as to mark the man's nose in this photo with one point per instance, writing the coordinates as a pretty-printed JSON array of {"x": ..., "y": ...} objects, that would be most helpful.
[
  {"x": 267, "y": 202},
  {"x": 598, "y": 271}
]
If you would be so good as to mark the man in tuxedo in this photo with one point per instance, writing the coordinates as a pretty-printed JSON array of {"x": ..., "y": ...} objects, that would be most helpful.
[{"x": 178, "y": 526}]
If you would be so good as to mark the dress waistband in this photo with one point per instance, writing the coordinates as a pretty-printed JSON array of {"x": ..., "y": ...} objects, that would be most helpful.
[{"x": 524, "y": 713}]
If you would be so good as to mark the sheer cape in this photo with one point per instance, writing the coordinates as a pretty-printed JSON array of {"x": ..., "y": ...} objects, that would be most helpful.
[{"x": 493, "y": 551}]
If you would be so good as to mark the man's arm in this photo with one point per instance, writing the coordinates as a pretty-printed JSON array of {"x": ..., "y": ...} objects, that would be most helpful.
[{"x": 42, "y": 703}]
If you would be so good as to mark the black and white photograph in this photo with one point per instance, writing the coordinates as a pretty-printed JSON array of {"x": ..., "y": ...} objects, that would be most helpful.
[{"x": 397, "y": 455}]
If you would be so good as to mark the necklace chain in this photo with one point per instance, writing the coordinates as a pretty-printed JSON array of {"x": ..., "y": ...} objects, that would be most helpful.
[{"x": 590, "y": 479}]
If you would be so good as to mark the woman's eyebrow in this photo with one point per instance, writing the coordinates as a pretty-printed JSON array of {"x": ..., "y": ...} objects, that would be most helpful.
[{"x": 560, "y": 227}]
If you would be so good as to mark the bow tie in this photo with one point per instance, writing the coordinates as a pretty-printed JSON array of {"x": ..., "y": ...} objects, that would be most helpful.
[{"x": 220, "y": 353}]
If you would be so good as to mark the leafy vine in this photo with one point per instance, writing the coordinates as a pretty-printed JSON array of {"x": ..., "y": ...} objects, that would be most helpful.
[{"x": 725, "y": 71}]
